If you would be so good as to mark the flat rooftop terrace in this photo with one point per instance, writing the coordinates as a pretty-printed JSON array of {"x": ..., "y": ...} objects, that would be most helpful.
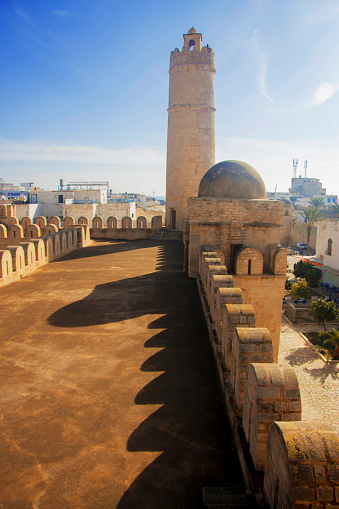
[{"x": 109, "y": 393}]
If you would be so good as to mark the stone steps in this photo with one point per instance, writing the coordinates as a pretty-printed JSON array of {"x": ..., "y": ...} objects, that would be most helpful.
[
  {"x": 165, "y": 234},
  {"x": 229, "y": 497}
]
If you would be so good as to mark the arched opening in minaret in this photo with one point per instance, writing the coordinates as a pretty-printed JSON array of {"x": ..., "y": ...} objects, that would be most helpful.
[{"x": 191, "y": 44}]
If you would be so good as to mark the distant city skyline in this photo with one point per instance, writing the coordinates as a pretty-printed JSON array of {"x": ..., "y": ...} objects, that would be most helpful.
[{"x": 84, "y": 90}]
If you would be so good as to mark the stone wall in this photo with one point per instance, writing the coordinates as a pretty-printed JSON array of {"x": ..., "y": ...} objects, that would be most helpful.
[
  {"x": 302, "y": 466},
  {"x": 300, "y": 460},
  {"x": 131, "y": 230},
  {"x": 286, "y": 230},
  {"x": 24, "y": 248},
  {"x": 299, "y": 234},
  {"x": 231, "y": 224},
  {"x": 272, "y": 394}
]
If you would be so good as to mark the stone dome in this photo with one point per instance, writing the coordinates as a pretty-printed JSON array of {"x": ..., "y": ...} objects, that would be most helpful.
[
  {"x": 232, "y": 179},
  {"x": 287, "y": 204},
  {"x": 192, "y": 31}
]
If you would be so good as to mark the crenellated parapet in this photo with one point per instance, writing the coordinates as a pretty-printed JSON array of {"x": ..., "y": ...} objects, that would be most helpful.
[
  {"x": 302, "y": 466},
  {"x": 272, "y": 394},
  {"x": 185, "y": 57},
  {"x": 300, "y": 459},
  {"x": 28, "y": 246}
]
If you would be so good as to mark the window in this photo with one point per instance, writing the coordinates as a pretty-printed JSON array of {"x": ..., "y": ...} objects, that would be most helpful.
[
  {"x": 61, "y": 198},
  {"x": 191, "y": 44},
  {"x": 329, "y": 247},
  {"x": 173, "y": 216}
]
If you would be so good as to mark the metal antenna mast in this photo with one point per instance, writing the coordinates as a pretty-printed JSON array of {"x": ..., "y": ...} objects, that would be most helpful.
[
  {"x": 305, "y": 168},
  {"x": 295, "y": 166}
]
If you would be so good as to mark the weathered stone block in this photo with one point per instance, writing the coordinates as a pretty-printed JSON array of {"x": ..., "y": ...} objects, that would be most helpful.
[{"x": 325, "y": 493}]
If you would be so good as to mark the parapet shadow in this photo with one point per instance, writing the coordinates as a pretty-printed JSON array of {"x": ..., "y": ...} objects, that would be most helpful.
[
  {"x": 101, "y": 246},
  {"x": 124, "y": 299},
  {"x": 189, "y": 430}
]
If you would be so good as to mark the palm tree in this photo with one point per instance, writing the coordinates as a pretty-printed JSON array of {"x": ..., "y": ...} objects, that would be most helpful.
[
  {"x": 311, "y": 215},
  {"x": 333, "y": 339},
  {"x": 317, "y": 203},
  {"x": 334, "y": 210}
]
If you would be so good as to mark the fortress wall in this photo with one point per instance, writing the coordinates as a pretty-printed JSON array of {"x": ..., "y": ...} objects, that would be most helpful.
[
  {"x": 299, "y": 234},
  {"x": 22, "y": 254},
  {"x": 225, "y": 294},
  {"x": 302, "y": 466},
  {"x": 272, "y": 394},
  {"x": 223, "y": 224},
  {"x": 122, "y": 233},
  {"x": 235, "y": 315},
  {"x": 286, "y": 231},
  {"x": 265, "y": 293},
  {"x": 131, "y": 230},
  {"x": 300, "y": 459},
  {"x": 149, "y": 214}
]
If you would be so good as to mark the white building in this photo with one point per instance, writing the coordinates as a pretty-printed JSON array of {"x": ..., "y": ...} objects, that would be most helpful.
[
  {"x": 76, "y": 203},
  {"x": 328, "y": 250}
]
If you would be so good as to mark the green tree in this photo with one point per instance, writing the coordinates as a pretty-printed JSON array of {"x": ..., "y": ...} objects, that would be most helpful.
[
  {"x": 333, "y": 339},
  {"x": 288, "y": 284},
  {"x": 334, "y": 210},
  {"x": 300, "y": 290},
  {"x": 306, "y": 271},
  {"x": 324, "y": 311},
  {"x": 311, "y": 215},
  {"x": 317, "y": 203}
]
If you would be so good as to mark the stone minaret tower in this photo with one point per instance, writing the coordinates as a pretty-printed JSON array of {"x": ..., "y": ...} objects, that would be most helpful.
[{"x": 191, "y": 125}]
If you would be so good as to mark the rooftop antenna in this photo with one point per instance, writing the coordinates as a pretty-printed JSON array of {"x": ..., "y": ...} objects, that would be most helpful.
[
  {"x": 295, "y": 166},
  {"x": 305, "y": 168}
]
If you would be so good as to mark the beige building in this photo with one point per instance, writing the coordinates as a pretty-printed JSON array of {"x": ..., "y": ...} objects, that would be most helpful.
[
  {"x": 232, "y": 217},
  {"x": 191, "y": 125}
]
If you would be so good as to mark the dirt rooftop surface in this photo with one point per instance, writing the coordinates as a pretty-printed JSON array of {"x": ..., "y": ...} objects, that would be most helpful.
[{"x": 109, "y": 394}]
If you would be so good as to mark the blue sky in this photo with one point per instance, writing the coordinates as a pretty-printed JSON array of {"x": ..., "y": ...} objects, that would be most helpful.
[{"x": 84, "y": 88}]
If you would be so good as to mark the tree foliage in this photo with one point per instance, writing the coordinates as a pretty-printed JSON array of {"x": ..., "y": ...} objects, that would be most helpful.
[
  {"x": 324, "y": 311},
  {"x": 317, "y": 203},
  {"x": 305, "y": 270},
  {"x": 288, "y": 284},
  {"x": 334, "y": 210},
  {"x": 333, "y": 340},
  {"x": 300, "y": 290},
  {"x": 311, "y": 215}
]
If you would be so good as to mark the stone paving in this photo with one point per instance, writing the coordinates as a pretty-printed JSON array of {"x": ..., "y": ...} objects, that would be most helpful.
[
  {"x": 318, "y": 380},
  {"x": 109, "y": 395}
]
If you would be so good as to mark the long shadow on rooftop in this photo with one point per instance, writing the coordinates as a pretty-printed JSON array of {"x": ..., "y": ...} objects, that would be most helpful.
[
  {"x": 106, "y": 246},
  {"x": 189, "y": 429}
]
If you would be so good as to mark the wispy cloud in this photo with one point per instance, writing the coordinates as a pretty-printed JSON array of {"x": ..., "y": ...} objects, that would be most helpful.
[
  {"x": 62, "y": 14},
  {"x": 30, "y": 151},
  {"x": 26, "y": 17},
  {"x": 261, "y": 57},
  {"x": 324, "y": 92}
]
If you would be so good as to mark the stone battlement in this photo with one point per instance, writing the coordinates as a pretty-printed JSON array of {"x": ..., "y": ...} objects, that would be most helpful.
[
  {"x": 203, "y": 57},
  {"x": 299, "y": 459}
]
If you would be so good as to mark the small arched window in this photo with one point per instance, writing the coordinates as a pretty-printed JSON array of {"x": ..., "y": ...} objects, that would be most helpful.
[
  {"x": 191, "y": 44},
  {"x": 329, "y": 247}
]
